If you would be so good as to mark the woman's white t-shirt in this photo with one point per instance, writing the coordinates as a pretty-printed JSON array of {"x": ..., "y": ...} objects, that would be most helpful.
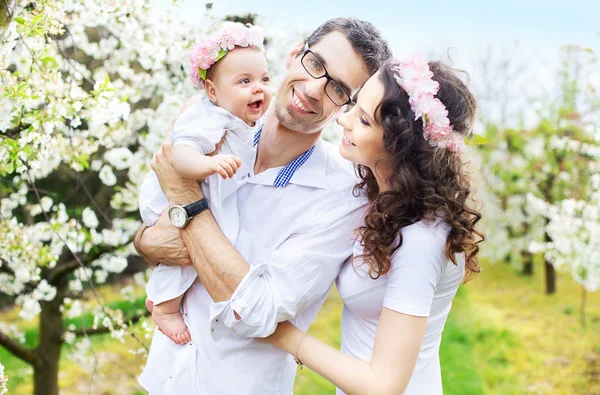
[{"x": 422, "y": 282}]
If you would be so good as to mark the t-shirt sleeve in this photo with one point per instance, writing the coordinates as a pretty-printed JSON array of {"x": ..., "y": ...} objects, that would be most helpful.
[
  {"x": 416, "y": 269},
  {"x": 200, "y": 127}
]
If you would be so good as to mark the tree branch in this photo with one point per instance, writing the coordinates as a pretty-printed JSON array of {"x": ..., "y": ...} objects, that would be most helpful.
[
  {"x": 101, "y": 330},
  {"x": 60, "y": 270},
  {"x": 17, "y": 349}
]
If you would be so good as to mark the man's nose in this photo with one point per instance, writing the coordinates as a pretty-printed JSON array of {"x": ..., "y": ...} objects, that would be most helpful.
[{"x": 316, "y": 87}]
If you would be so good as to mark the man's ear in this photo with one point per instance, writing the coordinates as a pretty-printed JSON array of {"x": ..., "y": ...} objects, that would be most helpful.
[
  {"x": 293, "y": 54},
  {"x": 211, "y": 91}
]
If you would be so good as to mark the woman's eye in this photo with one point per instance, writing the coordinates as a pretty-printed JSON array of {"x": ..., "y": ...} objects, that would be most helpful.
[{"x": 363, "y": 120}]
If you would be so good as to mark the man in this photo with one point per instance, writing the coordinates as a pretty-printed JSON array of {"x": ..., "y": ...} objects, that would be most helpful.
[{"x": 297, "y": 216}]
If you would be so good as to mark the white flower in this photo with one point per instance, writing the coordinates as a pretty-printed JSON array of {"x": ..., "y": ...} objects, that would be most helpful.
[
  {"x": 107, "y": 176},
  {"x": 30, "y": 309},
  {"x": 44, "y": 291},
  {"x": 89, "y": 218},
  {"x": 119, "y": 158},
  {"x": 69, "y": 337}
]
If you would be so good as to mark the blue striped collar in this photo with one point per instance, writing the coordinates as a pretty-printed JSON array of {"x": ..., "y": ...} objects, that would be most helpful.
[{"x": 285, "y": 174}]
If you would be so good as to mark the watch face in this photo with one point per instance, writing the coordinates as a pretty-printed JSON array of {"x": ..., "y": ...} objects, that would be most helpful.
[{"x": 178, "y": 216}]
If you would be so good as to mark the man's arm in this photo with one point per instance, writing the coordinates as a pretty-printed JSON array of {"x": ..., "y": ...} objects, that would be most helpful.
[
  {"x": 220, "y": 267},
  {"x": 251, "y": 301}
]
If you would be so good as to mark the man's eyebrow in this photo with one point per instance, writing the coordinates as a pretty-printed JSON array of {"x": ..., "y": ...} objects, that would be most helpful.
[{"x": 342, "y": 83}]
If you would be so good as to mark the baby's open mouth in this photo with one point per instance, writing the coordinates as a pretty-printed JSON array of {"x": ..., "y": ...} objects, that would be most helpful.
[{"x": 255, "y": 105}]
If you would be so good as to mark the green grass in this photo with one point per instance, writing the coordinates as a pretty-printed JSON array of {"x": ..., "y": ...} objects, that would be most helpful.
[{"x": 503, "y": 336}]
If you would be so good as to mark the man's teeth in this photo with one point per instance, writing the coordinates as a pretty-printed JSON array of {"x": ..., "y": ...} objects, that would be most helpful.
[{"x": 299, "y": 104}]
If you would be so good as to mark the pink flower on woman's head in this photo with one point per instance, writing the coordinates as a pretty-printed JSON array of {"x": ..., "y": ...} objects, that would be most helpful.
[{"x": 416, "y": 78}]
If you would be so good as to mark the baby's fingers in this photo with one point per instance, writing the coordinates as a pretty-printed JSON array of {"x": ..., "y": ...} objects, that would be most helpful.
[
  {"x": 222, "y": 172},
  {"x": 228, "y": 168},
  {"x": 233, "y": 163}
]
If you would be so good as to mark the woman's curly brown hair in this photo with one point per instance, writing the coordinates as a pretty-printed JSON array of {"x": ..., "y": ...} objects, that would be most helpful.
[{"x": 426, "y": 183}]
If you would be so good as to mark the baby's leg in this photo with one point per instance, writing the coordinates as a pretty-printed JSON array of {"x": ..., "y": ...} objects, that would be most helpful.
[{"x": 167, "y": 316}]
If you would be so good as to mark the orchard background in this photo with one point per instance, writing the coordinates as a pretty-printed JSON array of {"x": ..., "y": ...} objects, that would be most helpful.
[{"x": 87, "y": 91}]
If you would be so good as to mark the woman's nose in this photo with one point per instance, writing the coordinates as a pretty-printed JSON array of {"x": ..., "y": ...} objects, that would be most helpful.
[{"x": 344, "y": 121}]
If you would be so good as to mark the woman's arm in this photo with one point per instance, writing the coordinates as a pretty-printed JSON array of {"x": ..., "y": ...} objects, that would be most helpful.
[{"x": 397, "y": 345}]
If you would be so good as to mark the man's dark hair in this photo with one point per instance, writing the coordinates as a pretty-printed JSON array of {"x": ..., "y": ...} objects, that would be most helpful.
[{"x": 362, "y": 35}]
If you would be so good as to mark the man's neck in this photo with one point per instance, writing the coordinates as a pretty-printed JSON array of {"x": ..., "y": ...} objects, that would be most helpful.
[{"x": 278, "y": 145}]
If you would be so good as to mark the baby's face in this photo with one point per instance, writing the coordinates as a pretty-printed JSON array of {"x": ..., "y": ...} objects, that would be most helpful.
[{"x": 242, "y": 84}]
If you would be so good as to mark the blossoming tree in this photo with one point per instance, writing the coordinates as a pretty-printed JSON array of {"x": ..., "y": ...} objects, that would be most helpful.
[
  {"x": 554, "y": 162},
  {"x": 87, "y": 91}
]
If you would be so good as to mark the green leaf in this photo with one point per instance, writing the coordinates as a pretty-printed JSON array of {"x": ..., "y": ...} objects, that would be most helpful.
[
  {"x": 477, "y": 140},
  {"x": 36, "y": 18},
  {"x": 22, "y": 86},
  {"x": 20, "y": 20},
  {"x": 49, "y": 60}
]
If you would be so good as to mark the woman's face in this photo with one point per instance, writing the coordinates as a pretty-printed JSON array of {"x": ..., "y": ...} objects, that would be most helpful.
[{"x": 363, "y": 137}]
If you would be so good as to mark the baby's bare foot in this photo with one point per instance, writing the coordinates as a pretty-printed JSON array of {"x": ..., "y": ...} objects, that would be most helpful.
[{"x": 172, "y": 325}]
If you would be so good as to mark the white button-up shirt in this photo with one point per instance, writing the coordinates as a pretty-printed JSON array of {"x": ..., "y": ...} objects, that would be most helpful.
[{"x": 295, "y": 239}]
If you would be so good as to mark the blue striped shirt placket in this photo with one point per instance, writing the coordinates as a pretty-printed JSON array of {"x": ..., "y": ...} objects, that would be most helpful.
[{"x": 285, "y": 174}]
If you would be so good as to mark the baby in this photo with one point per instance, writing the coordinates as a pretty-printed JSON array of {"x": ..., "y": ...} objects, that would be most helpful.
[{"x": 230, "y": 69}]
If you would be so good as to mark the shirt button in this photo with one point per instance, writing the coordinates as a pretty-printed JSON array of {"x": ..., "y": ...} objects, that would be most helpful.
[{"x": 217, "y": 320}]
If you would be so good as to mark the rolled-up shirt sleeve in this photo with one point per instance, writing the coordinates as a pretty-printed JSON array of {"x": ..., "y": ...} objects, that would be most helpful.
[{"x": 292, "y": 277}]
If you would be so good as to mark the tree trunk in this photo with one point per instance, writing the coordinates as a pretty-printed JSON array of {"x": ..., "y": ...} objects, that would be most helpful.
[
  {"x": 582, "y": 306},
  {"x": 4, "y": 18},
  {"x": 527, "y": 258},
  {"x": 550, "y": 273},
  {"x": 50, "y": 340},
  {"x": 550, "y": 278}
]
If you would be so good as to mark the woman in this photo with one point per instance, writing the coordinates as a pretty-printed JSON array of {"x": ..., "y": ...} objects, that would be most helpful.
[{"x": 418, "y": 239}]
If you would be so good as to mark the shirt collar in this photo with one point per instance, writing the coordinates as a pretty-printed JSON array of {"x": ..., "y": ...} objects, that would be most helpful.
[{"x": 309, "y": 169}]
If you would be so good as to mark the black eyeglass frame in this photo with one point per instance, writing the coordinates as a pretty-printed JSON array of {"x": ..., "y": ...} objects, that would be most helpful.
[{"x": 325, "y": 75}]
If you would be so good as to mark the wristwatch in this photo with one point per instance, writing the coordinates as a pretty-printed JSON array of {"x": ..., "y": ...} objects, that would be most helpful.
[{"x": 181, "y": 215}]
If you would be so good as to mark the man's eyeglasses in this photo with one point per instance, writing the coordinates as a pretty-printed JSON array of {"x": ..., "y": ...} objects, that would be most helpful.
[{"x": 314, "y": 67}]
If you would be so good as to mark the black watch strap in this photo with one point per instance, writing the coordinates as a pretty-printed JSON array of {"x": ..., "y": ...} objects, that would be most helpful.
[{"x": 196, "y": 207}]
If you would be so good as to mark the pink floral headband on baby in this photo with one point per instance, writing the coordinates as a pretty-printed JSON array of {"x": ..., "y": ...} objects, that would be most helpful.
[
  {"x": 216, "y": 45},
  {"x": 415, "y": 77}
]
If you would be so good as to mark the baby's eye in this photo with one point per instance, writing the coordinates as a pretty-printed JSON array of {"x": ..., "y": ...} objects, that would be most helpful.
[
  {"x": 267, "y": 79},
  {"x": 245, "y": 81}
]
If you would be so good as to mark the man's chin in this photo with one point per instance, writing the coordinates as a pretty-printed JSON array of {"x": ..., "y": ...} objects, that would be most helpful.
[{"x": 288, "y": 118}]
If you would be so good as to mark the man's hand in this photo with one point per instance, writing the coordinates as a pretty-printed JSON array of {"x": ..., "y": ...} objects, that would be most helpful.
[
  {"x": 179, "y": 190},
  {"x": 162, "y": 243}
]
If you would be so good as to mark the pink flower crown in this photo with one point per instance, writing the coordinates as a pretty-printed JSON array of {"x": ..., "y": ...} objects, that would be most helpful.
[
  {"x": 216, "y": 45},
  {"x": 415, "y": 77}
]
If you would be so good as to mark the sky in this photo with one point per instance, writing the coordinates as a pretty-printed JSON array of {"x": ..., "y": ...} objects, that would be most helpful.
[
  {"x": 544, "y": 25},
  {"x": 526, "y": 32}
]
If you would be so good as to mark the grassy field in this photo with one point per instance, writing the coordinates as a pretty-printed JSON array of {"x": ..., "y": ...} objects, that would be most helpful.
[{"x": 504, "y": 336}]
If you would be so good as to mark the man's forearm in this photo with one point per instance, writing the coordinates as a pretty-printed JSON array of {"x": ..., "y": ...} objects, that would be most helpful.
[
  {"x": 137, "y": 243},
  {"x": 219, "y": 265}
]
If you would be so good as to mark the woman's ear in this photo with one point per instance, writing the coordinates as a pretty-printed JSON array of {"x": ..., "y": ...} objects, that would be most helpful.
[
  {"x": 293, "y": 54},
  {"x": 211, "y": 91}
]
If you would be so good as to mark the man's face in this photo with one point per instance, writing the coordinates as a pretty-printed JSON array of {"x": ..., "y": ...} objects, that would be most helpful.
[{"x": 301, "y": 103}]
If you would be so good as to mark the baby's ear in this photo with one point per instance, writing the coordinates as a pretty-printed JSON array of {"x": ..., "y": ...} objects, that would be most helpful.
[{"x": 211, "y": 91}]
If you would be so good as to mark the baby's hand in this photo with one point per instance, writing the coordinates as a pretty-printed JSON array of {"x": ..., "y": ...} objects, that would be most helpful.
[{"x": 225, "y": 165}]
